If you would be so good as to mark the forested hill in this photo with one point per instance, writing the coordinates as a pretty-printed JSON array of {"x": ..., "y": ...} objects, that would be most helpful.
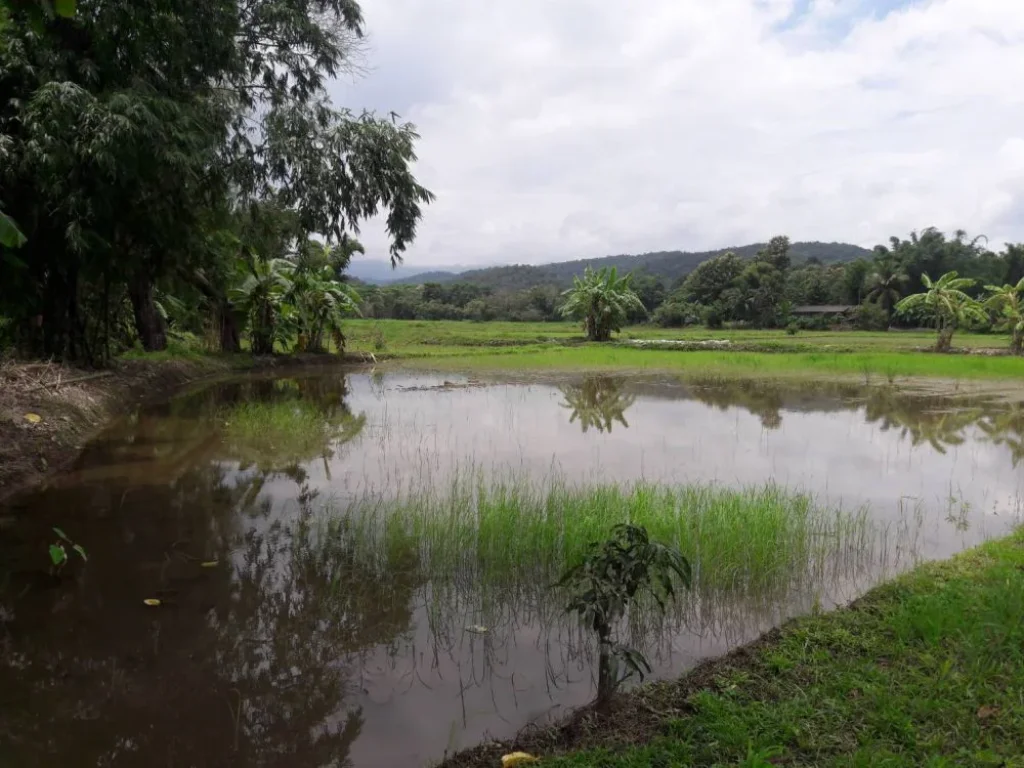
[{"x": 669, "y": 265}]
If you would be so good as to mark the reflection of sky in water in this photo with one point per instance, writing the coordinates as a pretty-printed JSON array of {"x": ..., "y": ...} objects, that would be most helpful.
[
  {"x": 418, "y": 437},
  {"x": 392, "y": 643}
]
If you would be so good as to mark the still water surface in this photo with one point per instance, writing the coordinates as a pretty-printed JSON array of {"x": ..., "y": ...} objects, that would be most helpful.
[{"x": 274, "y": 645}]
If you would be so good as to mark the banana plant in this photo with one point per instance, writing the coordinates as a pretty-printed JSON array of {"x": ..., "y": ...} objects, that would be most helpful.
[
  {"x": 1005, "y": 301},
  {"x": 944, "y": 303}
]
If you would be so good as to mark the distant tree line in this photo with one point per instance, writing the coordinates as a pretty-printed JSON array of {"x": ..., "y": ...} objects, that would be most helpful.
[
  {"x": 471, "y": 301},
  {"x": 760, "y": 290}
]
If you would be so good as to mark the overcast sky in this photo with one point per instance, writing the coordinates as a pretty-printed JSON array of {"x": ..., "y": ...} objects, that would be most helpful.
[{"x": 560, "y": 129}]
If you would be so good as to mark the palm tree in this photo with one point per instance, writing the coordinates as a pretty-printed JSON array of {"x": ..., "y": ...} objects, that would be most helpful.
[
  {"x": 945, "y": 304},
  {"x": 602, "y": 300},
  {"x": 260, "y": 296},
  {"x": 1006, "y": 302},
  {"x": 884, "y": 284}
]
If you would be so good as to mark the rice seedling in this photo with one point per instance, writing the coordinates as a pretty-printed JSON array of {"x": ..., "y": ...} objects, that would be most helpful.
[{"x": 507, "y": 530}]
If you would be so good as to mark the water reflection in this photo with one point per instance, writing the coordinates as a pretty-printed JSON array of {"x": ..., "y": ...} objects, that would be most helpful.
[
  {"x": 597, "y": 402},
  {"x": 313, "y": 642}
]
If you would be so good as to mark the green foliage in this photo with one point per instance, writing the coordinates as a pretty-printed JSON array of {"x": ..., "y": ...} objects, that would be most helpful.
[
  {"x": 134, "y": 163},
  {"x": 1005, "y": 302},
  {"x": 602, "y": 300},
  {"x": 320, "y": 305},
  {"x": 605, "y": 584},
  {"x": 945, "y": 304},
  {"x": 59, "y": 554},
  {"x": 260, "y": 298},
  {"x": 885, "y": 283},
  {"x": 871, "y": 317},
  {"x": 677, "y": 313},
  {"x": 10, "y": 235},
  {"x": 706, "y": 284}
]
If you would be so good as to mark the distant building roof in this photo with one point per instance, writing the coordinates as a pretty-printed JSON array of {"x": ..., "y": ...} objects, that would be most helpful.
[{"x": 823, "y": 309}]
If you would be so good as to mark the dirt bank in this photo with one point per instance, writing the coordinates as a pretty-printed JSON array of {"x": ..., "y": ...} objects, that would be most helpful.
[{"x": 49, "y": 411}]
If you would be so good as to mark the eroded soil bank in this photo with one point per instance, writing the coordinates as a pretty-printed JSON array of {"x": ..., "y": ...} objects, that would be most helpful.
[{"x": 48, "y": 411}]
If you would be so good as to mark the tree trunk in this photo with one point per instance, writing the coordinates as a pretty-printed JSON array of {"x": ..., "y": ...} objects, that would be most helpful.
[
  {"x": 229, "y": 337},
  {"x": 945, "y": 342},
  {"x": 606, "y": 681},
  {"x": 148, "y": 323},
  {"x": 1017, "y": 342}
]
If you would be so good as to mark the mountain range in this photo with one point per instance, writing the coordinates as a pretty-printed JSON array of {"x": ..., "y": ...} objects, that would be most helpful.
[{"x": 671, "y": 266}]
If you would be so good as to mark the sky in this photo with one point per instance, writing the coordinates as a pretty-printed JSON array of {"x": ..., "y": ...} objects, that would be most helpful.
[{"x": 564, "y": 129}]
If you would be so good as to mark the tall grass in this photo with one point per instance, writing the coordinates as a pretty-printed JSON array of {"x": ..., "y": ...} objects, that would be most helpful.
[
  {"x": 486, "y": 551},
  {"x": 515, "y": 532}
]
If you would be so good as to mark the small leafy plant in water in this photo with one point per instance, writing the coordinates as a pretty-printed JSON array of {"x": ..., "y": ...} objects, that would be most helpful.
[
  {"x": 607, "y": 581},
  {"x": 59, "y": 552}
]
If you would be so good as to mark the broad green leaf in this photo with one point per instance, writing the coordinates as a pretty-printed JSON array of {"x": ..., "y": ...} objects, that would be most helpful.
[
  {"x": 63, "y": 535},
  {"x": 81, "y": 551},
  {"x": 10, "y": 235},
  {"x": 57, "y": 554}
]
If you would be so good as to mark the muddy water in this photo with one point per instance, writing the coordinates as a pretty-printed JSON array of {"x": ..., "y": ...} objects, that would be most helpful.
[{"x": 274, "y": 645}]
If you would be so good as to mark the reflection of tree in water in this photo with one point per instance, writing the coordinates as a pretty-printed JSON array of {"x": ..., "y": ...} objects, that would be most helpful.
[
  {"x": 285, "y": 423},
  {"x": 1006, "y": 428},
  {"x": 761, "y": 399},
  {"x": 920, "y": 420},
  {"x": 302, "y": 603},
  {"x": 244, "y": 663},
  {"x": 597, "y": 402}
]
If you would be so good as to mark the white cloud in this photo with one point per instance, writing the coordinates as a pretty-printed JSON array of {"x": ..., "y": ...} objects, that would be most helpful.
[{"x": 557, "y": 130}]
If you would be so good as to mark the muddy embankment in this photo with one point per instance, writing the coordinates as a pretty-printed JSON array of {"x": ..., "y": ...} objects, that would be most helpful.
[{"x": 49, "y": 411}]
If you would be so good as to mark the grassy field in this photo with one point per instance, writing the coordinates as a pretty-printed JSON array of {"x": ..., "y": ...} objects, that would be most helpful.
[
  {"x": 544, "y": 346},
  {"x": 925, "y": 671},
  {"x": 405, "y": 337},
  {"x": 506, "y": 346}
]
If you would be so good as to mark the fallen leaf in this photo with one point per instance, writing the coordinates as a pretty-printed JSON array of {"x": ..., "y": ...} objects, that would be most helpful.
[
  {"x": 33, "y": 418},
  {"x": 476, "y": 629},
  {"x": 152, "y": 602},
  {"x": 986, "y": 712},
  {"x": 517, "y": 758},
  {"x": 209, "y": 564}
]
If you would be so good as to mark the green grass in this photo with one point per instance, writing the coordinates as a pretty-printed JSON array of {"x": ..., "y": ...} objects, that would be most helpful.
[
  {"x": 407, "y": 336},
  {"x": 925, "y": 671},
  {"x": 504, "y": 346},
  {"x": 871, "y": 366}
]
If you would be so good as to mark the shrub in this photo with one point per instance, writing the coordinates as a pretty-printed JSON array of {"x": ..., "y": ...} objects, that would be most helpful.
[
  {"x": 677, "y": 314},
  {"x": 871, "y": 317}
]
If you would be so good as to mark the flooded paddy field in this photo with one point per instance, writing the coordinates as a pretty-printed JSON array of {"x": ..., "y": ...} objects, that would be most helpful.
[{"x": 356, "y": 568}]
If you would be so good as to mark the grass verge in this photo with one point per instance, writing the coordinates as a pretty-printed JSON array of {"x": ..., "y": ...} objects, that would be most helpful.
[
  {"x": 925, "y": 671},
  {"x": 872, "y": 367}
]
